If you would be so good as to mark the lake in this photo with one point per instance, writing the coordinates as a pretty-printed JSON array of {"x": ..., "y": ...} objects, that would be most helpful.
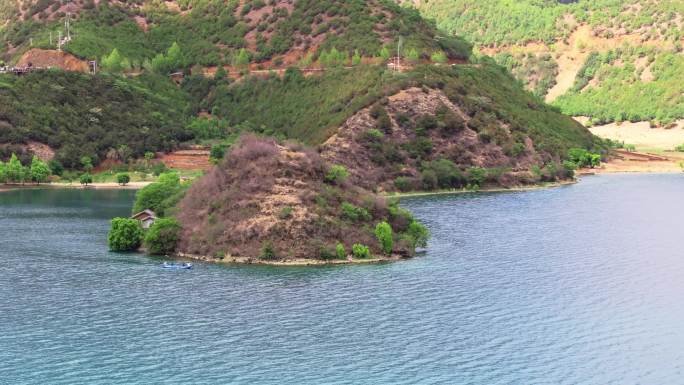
[{"x": 575, "y": 285}]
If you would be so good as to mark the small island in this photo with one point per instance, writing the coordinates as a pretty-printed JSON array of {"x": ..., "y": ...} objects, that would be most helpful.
[{"x": 270, "y": 203}]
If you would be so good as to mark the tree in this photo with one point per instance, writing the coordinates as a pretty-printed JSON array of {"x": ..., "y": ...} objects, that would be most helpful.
[
  {"x": 439, "y": 57},
  {"x": 56, "y": 167},
  {"x": 383, "y": 232},
  {"x": 356, "y": 59},
  {"x": 418, "y": 234},
  {"x": 162, "y": 237},
  {"x": 113, "y": 62},
  {"x": 384, "y": 54},
  {"x": 153, "y": 196},
  {"x": 39, "y": 170},
  {"x": 125, "y": 235},
  {"x": 123, "y": 178},
  {"x": 3, "y": 172},
  {"x": 360, "y": 251},
  {"x": 220, "y": 73},
  {"x": 412, "y": 55},
  {"x": 124, "y": 152},
  {"x": 242, "y": 58},
  {"x": 15, "y": 171},
  {"x": 86, "y": 179},
  {"x": 337, "y": 174},
  {"x": 340, "y": 251},
  {"x": 160, "y": 64},
  {"x": 217, "y": 153},
  {"x": 87, "y": 163},
  {"x": 174, "y": 57}
]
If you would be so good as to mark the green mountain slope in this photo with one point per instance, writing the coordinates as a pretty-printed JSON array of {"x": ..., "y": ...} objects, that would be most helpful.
[
  {"x": 133, "y": 102},
  {"x": 212, "y": 32},
  {"x": 613, "y": 60},
  {"x": 82, "y": 115}
]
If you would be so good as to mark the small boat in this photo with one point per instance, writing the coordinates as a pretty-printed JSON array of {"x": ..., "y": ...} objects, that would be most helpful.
[{"x": 177, "y": 266}]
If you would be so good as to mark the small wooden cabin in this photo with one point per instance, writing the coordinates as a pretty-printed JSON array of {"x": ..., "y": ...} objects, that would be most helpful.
[{"x": 146, "y": 218}]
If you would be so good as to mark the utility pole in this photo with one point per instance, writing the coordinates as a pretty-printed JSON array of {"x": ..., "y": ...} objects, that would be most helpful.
[
  {"x": 50, "y": 38},
  {"x": 67, "y": 26},
  {"x": 398, "y": 60},
  {"x": 59, "y": 41}
]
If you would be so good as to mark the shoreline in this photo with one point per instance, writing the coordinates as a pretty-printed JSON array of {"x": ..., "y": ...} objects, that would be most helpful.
[
  {"x": 91, "y": 186},
  {"x": 295, "y": 262},
  {"x": 535, "y": 187}
]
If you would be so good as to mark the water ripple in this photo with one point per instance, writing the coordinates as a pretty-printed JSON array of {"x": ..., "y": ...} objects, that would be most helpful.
[{"x": 577, "y": 285}]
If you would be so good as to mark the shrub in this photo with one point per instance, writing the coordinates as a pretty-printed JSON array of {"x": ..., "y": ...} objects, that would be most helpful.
[
  {"x": 162, "y": 237},
  {"x": 383, "y": 232},
  {"x": 123, "y": 179},
  {"x": 360, "y": 251},
  {"x": 268, "y": 251},
  {"x": 403, "y": 183},
  {"x": 418, "y": 234},
  {"x": 680, "y": 148},
  {"x": 125, "y": 235},
  {"x": 86, "y": 179},
  {"x": 285, "y": 213},
  {"x": 354, "y": 213},
  {"x": 584, "y": 158},
  {"x": 337, "y": 174},
  {"x": 340, "y": 251},
  {"x": 156, "y": 195}
]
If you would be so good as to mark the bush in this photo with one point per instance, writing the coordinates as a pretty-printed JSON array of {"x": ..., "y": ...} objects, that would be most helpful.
[
  {"x": 337, "y": 174},
  {"x": 268, "y": 251},
  {"x": 125, "y": 235},
  {"x": 584, "y": 158},
  {"x": 162, "y": 237},
  {"x": 86, "y": 179},
  {"x": 418, "y": 234},
  {"x": 360, "y": 251},
  {"x": 680, "y": 148},
  {"x": 285, "y": 213},
  {"x": 340, "y": 251},
  {"x": 354, "y": 213},
  {"x": 383, "y": 232},
  {"x": 403, "y": 183},
  {"x": 123, "y": 179},
  {"x": 156, "y": 196}
]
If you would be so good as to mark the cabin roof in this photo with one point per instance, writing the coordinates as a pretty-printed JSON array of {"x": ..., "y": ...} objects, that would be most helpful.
[{"x": 145, "y": 214}]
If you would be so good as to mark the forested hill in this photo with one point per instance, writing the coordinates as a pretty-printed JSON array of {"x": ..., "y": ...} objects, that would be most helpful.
[
  {"x": 611, "y": 60},
  {"x": 221, "y": 32},
  {"x": 320, "y": 73}
]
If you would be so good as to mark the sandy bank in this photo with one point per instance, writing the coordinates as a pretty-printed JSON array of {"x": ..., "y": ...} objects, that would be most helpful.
[
  {"x": 289, "y": 262},
  {"x": 112, "y": 186}
]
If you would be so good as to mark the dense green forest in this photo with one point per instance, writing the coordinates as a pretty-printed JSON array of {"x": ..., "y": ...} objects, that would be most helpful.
[
  {"x": 500, "y": 22},
  {"x": 635, "y": 78},
  {"x": 310, "y": 109},
  {"x": 84, "y": 115},
  {"x": 610, "y": 87},
  {"x": 214, "y": 32}
]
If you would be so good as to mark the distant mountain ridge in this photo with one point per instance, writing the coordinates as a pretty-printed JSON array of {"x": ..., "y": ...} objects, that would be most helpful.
[{"x": 605, "y": 59}]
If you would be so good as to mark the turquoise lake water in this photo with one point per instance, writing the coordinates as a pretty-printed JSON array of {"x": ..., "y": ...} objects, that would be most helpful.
[{"x": 575, "y": 285}]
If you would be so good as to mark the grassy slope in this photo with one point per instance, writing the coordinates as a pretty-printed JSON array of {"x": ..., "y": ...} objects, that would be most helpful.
[
  {"x": 79, "y": 114},
  {"x": 211, "y": 32},
  {"x": 618, "y": 89},
  {"x": 505, "y": 22},
  {"x": 316, "y": 106}
]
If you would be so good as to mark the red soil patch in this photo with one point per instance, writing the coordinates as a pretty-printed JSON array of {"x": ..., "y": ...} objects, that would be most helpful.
[
  {"x": 196, "y": 159},
  {"x": 44, "y": 58}
]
